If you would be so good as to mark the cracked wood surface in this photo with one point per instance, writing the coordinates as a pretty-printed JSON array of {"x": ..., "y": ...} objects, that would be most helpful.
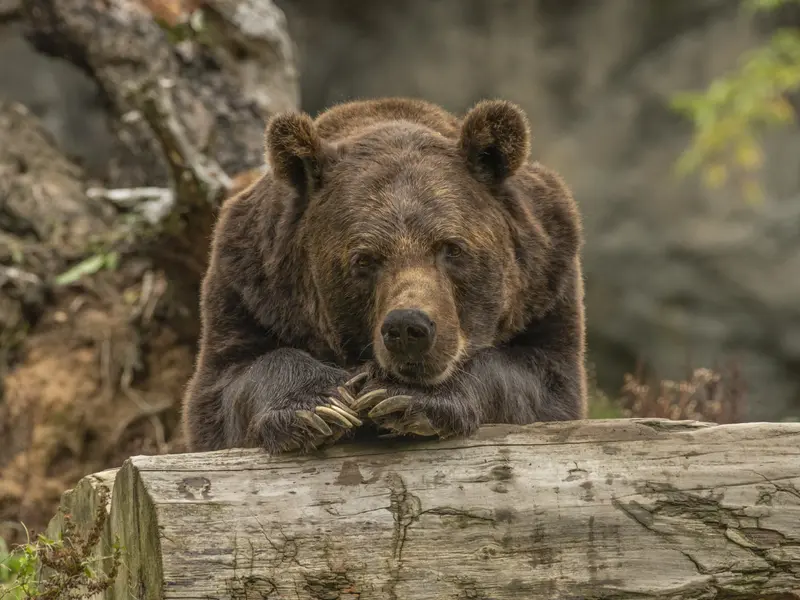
[{"x": 635, "y": 508}]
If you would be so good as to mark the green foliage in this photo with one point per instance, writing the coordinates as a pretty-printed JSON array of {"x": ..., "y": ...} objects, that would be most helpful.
[
  {"x": 88, "y": 266},
  {"x": 62, "y": 569},
  {"x": 730, "y": 116},
  {"x": 12, "y": 566},
  {"x": 17, "y": 570}
]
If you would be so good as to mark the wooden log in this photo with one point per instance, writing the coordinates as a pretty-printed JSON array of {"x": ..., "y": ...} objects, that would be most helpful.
[
  {"x": 637, "y": 508},
  {"x": 81, "y": 506}
]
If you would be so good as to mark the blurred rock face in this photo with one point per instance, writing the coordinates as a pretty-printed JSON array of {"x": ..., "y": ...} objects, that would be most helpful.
[
  {"x": 66, "y": 100},
  {"x": 675, "y": 275}
]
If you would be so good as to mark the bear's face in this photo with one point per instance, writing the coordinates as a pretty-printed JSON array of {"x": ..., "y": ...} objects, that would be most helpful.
[
  {"x": 411, "y": 251},
  {"x": 412, "y": 255}
]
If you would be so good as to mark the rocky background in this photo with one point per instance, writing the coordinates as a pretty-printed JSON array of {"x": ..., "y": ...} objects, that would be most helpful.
[{"x": 98, "y": 288}]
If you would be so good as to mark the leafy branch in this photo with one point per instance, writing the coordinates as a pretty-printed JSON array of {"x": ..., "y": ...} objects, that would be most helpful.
[{"x": 730, "y": 117}]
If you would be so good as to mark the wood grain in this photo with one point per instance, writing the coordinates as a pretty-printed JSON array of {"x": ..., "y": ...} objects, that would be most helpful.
[{"x": 634, "y": 508}]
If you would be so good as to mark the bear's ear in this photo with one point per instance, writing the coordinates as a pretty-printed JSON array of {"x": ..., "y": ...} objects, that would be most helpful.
[
  {"x": 495, "y": 140},
  {"x": 295, "y": 151}
]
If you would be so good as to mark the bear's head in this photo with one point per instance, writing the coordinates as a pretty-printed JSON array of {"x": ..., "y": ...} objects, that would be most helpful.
[{"x": 419, "y": 249}]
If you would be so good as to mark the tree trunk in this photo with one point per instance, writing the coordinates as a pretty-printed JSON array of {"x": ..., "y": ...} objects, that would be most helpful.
[{"x": 633, "y": 509}]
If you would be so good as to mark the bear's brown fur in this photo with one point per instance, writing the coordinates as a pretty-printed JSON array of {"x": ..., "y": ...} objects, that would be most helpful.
[{"x": 392, "y": 239}]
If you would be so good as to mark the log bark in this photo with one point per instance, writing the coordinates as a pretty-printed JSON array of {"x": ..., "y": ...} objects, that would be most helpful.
[
  {"x": 81, "y": 505},
  {"x": 638, "y": 508}
]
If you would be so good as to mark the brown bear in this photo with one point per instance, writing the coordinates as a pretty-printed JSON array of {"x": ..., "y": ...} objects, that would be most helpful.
[{"x": 397, "y": 265}]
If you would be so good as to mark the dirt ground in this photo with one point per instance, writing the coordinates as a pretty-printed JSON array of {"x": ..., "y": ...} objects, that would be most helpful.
[{"x": 90, "y": 391}]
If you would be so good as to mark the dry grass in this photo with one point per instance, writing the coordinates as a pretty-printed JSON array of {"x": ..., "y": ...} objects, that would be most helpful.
[{"x": 716, "y": 396}]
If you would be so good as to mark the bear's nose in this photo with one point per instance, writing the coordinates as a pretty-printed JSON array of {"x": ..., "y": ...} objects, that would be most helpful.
[{"x": 408, "y": 333}]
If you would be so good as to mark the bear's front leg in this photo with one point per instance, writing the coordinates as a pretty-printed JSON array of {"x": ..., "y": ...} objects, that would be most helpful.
[
  {"x": 444, "y": 411},
  {"x": 283, "y": 400}
]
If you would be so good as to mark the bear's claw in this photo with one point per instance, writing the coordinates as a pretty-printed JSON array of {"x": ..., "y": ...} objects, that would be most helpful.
[
  {"x": 314, "y": 421},
  {"x": 368, "y": 400},
  {"x": 345, "y": 407},
  {"x": 321, "y": 419},
  {"x": 334, "y": 414},
  {"x": 390, "y": 405},
  {"x": 360, "y": 378},
  {"x": 346, "y": 395},
  {"x": 413, "y": 422},
  {"x": 342, "y": 406}
]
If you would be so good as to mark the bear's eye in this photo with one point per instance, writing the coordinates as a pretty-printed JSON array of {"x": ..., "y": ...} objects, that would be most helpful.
[
  {"x": 452, "y": 250},
  {"x": 362, "y": 264}
]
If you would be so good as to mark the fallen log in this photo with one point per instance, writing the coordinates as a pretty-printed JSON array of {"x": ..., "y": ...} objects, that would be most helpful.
[{"x": 636, "y": 508}]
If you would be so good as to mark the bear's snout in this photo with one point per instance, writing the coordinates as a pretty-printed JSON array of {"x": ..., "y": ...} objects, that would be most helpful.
[
  {"x": 416, "y": 335},
  {"x": 408, "y": 334}
]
